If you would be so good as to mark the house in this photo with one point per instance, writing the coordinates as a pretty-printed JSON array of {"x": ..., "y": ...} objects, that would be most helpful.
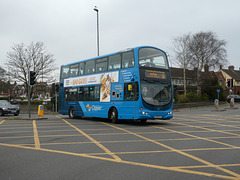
[
  {"x": 191, "y": 78},
  {"x": 6, "y": 89},
  {"x": 231, "y": 73},
  {"x": 14, "y": 90}
]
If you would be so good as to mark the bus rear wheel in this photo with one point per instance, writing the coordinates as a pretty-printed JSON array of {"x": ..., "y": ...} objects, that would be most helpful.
[
  {"x": 114, "y": 116},
  {"x": 71, "y": 112}
]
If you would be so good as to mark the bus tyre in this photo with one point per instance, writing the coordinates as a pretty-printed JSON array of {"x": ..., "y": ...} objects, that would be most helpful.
[
  {"x": 143, "y": 121},
  {"x": 71, "y": 112},
  {"x": 114, "y": 116}
]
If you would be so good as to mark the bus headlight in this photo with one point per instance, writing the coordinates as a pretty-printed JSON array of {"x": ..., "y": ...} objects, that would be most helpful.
[{"x": 143, "y": 112}]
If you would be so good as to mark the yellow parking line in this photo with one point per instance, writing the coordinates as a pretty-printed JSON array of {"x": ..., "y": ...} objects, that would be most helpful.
[
  {"x": 202, "y": 137},
  {"x": 2, "y": 121},
  {"x": 94, "y": 141},
  {"x": 36, "y": 138},
  {"x": 178, "y": 151},
  {"x": 176, "y": 169},
  {"x": 217, "y": 124}
]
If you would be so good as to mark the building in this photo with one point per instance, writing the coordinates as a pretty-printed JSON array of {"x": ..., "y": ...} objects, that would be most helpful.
[
  {"x": 18, "y": 91},
  {"x": 191, "y": 78},
  {"x": 233, "y": 74}
]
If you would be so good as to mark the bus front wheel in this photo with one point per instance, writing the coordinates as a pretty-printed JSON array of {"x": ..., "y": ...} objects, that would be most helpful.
[
  {"x": 71, "y": 112},
  {"x": 114, "y": 116}
]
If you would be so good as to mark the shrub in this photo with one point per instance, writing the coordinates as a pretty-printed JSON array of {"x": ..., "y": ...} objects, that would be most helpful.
[{"x": 192, "y": 97}]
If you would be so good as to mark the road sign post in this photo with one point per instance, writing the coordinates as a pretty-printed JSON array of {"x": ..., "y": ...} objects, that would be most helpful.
[
  {"x": 218, "y": 91},
  {"x": 216, "y": 102}
]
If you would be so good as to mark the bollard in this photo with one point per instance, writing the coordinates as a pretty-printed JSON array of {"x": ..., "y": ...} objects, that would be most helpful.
[
  {"x": 216, "y": 102},
  {"x": 232, "y": 103},
  {"x": 40, "y": 110}
]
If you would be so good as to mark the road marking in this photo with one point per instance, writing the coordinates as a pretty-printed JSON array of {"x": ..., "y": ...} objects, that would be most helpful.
[
  {"x": 218, "y": 124},
  {"x": 2, "y": 121},
  {"x": 178, "y": 169},
  {"x": 128, "y": 162},
  {"x": 197, "y": 137},
  {"x": 178, "y": 151},
  {"x": 36, "y": 138},
  {"x": 94, "y": 141},
  {"x": 17, "y": 128}
]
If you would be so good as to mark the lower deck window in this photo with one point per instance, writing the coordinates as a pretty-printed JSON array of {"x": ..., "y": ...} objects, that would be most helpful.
[{"x": 90, "y": 93}]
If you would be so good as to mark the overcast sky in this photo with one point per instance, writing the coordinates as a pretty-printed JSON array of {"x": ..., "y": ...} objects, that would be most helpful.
[{"x": 68, "y": 27}]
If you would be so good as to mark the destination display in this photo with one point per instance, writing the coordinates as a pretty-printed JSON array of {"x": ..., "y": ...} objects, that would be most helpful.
[{"x": 155, "y": 74}]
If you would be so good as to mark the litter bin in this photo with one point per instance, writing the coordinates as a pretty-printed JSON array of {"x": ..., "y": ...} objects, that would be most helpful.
[{"x": 40, "y": 110}]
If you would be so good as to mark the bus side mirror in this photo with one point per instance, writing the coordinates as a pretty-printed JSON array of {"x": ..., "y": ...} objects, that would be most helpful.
[{"x": 130, "y": 87}]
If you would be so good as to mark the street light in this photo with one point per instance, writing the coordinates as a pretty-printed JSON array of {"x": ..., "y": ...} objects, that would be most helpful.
[
  {"x": 96, "y": 9},
  {"x": 42, "y": 62}
]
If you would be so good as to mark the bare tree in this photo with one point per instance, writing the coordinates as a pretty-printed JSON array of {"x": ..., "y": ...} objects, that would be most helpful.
[
  {"x": 181, "y": 50},
  {"x": 34, "y": 57},
  {"x": 206, "y": 48},
  {"x": 2, "y": 74}
]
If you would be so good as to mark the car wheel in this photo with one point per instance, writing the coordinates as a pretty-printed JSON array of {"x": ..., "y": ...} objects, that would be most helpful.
[
  {"x": 71, "y": 112},
  {"x": 16, "y": 114},
  {"x": 1, "y": 113}
]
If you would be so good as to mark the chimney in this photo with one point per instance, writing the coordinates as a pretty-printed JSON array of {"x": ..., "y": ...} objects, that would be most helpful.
[
  {"x": 231, "y": 68},
  {"x": 206, "y": 68},
  {"x": 221, "y": 67}
]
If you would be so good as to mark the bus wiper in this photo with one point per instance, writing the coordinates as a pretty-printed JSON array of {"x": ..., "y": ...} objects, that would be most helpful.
[
  {"x": 156, "y": 80},
  {"x": 148, "y": 80}
]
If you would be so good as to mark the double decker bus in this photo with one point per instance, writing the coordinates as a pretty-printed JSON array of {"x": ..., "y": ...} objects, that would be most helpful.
[{"x": 130, "y": 84}]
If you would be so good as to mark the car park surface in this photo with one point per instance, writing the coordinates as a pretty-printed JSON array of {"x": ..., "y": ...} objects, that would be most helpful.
[{"x": 196, "y": 144}]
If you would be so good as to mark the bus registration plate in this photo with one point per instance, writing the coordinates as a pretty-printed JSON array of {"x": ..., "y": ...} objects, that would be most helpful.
[{"x": 158, "y": 117}]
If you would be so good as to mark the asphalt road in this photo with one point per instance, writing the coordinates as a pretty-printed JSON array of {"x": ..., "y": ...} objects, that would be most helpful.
[{"x": 195, "y": 144}]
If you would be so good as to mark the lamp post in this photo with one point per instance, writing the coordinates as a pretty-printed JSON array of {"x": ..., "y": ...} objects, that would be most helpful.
[
  {"x": 96, "y": 9},
  {"x": 42, "y": 74}
]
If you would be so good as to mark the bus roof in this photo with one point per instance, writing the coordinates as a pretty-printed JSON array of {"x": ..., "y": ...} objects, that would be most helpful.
[{"x": 98, "y": 57}]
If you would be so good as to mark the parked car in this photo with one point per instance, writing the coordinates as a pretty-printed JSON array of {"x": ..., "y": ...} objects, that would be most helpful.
[
  {"x": 235, "y": 97},
  {"x": 7, "y": 108},
  {"x": 15, "y": 101}
]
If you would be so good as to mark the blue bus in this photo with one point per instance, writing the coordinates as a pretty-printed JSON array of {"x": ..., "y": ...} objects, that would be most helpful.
[{"x": 130, "y": 84}]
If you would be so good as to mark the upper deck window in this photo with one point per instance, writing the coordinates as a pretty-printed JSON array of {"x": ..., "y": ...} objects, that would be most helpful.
[
  {"x": 127, "y": 60},
  {"x": 73, "y": 70},
  {"x": 114, "y": 62},
  {"x": 101, "y": 65},
  {"x": 65, "y": 72},
  {"x": 90, "y": 67},
  {"x": 151, "y": 57},
  {"x": 81, "y": 68}
]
